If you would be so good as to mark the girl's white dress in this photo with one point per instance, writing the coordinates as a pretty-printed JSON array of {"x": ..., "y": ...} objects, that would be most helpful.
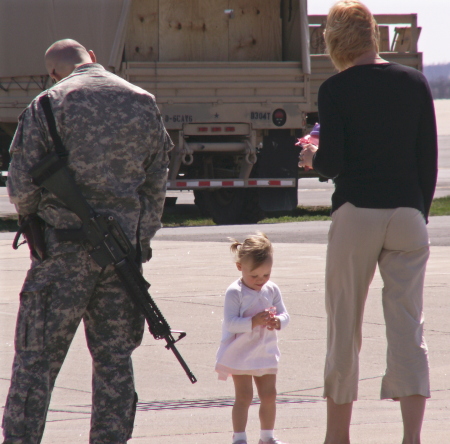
[{"x": 243, "y": 350}]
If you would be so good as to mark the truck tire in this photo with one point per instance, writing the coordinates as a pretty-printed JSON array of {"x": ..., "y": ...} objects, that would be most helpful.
[{"x": 229, "y": 206}]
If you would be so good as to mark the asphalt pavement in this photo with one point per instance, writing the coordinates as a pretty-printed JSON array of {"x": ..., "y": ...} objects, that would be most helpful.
[{"x": 189, "y": 277}]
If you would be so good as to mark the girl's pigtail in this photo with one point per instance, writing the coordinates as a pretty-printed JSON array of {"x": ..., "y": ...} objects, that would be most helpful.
[{"x": 234, "y": 247}]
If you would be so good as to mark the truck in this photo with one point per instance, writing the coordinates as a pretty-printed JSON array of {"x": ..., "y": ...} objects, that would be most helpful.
[{"x": 236, "y": 82}]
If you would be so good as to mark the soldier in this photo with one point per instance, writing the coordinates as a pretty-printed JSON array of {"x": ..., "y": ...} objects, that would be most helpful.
[{"x": 118, "y": 152}]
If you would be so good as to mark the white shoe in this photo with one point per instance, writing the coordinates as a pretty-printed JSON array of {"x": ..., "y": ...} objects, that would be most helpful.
[{"x": 271, "y": 441}]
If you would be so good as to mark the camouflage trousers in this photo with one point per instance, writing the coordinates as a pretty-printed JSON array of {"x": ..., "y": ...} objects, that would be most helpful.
[{"x": 56, "y": 295}]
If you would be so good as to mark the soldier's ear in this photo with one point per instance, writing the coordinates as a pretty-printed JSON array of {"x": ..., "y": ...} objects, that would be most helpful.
[{"x": 92, "y": 56}]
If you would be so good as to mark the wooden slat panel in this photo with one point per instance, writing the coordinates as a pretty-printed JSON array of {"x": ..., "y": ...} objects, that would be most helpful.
[
  {"x": 288, "y": 98},
  {"x": 274, "y": 71},
  {"x": 141, "y": 42},
  {"x": 200, "y": 85},
  {"x": 193, "y": 30},
  {"x": 234, "y": 82},
  {"x": 255, "y": 30}
]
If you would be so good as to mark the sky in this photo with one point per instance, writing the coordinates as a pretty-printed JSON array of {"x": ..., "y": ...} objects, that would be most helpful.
[{"x": 432, "y": 15}]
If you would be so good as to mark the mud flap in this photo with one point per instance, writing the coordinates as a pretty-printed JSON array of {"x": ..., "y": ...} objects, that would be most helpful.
[{"x": 278, "y": 159}]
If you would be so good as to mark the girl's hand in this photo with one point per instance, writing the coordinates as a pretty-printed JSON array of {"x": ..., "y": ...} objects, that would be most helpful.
[
  {"x": 260, "y": 319},
  {"x": 274, "y": 323}
]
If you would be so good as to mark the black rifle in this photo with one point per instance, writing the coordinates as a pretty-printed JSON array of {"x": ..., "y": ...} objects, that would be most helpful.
[{"x": 104, "y": 239}]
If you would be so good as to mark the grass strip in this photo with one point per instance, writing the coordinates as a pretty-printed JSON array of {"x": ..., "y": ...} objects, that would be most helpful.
[
  {"x": 190, "y": 216},
  {"x": 440, "y": 206}
]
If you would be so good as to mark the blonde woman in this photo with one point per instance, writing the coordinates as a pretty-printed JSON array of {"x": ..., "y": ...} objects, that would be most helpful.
[{"x": 378, "y": 144}]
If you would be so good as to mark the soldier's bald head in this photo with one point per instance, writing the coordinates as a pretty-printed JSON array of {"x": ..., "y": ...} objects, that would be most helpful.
[{"x": 64, "y": 56}]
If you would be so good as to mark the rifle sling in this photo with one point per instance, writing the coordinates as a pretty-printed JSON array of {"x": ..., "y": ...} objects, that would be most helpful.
[{"x": 44, "y": 100}]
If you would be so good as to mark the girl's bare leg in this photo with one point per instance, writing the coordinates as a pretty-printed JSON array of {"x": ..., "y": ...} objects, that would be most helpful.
[
  {"x": 413, "y": 410},
  {"x": 338, "y": 422},
  {"x": 243, "y": 387},
  {"x": 267, "y": 393}
]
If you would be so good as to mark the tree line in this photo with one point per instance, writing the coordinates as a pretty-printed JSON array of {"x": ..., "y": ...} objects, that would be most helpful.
[{"x": 438, "y": 77}]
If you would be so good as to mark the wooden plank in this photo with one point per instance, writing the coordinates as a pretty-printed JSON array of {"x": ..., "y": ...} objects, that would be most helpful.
[
  {"x": 382, "y": 19},
  {"x": 188, "y": 85},
  {"x": 193, "y": 30},
  {"x": 255, "y": 30},
  {"x": 384, "y": 42},
  {"x": 395, "y": 19},
  {"x": 141, "y": 42},
  {"x": 317, "y": 19},
  {"x": 189, "y": 100},
  {"x": 271, "y": 71},
  {"x": 291, "y": 30}
]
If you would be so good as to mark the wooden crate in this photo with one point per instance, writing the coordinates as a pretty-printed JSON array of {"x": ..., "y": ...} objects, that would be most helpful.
[
  {"x": 255, "y": 30},
  {"x": 201, "y": 30},
  {"x": 142, "y": 40},
  {"x": 193, "y": 30}
]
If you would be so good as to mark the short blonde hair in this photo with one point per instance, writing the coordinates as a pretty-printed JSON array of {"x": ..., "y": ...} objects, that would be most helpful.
[
  {"x": 256, "y": 248},
  {"x": 351, "y": 31}
]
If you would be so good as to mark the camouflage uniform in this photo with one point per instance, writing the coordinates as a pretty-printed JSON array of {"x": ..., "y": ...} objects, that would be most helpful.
[{"x": 118, "y": 151}]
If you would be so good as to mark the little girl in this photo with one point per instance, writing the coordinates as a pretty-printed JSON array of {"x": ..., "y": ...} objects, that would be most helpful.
[{"x": 249, "y": 346}]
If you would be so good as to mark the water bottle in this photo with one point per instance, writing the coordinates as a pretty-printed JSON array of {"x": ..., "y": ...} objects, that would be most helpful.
[
  {"x": 314, "y": 134},
  {"x": 312, "y": 137}
]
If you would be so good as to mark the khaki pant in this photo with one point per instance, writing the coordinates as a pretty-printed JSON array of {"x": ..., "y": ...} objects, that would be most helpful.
[{"x": 397, "y": 240}]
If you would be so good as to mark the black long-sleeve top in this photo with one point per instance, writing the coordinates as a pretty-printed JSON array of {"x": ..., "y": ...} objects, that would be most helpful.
[{"x": 378, "y": 137}]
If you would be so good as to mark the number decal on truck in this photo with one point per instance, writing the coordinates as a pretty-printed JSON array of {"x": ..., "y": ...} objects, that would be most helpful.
[
  {"x": 255, "y": 115},
  {"x": 179, "y": 118}
]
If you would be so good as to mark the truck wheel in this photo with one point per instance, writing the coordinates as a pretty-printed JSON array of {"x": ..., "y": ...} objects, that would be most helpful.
[{"x": 229, "y": 206}]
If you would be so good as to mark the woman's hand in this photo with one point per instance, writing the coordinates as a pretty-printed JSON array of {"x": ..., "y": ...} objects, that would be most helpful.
[{"x": 306, "y": 155}]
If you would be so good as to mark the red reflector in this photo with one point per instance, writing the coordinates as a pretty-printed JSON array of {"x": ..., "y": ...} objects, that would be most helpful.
[
  {"x": 252, "y": 182},
  {"x": 230, "y": 129},
  {"x": 216, "y": 129},
  {"x": 227, "y": 183},
  {"x": 274, "y": 182},
  {"x": 204, "y": 183},
  {"x": 180, "y": 184},
  {"x": 202, "y": 129}
]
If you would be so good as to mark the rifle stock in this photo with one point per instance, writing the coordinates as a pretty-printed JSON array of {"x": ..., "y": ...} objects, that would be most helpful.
[{"x": 109, "y": 245}]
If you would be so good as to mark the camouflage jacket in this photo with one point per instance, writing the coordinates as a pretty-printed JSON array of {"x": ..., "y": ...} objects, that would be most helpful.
[{"x": 118, "y": 151}]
